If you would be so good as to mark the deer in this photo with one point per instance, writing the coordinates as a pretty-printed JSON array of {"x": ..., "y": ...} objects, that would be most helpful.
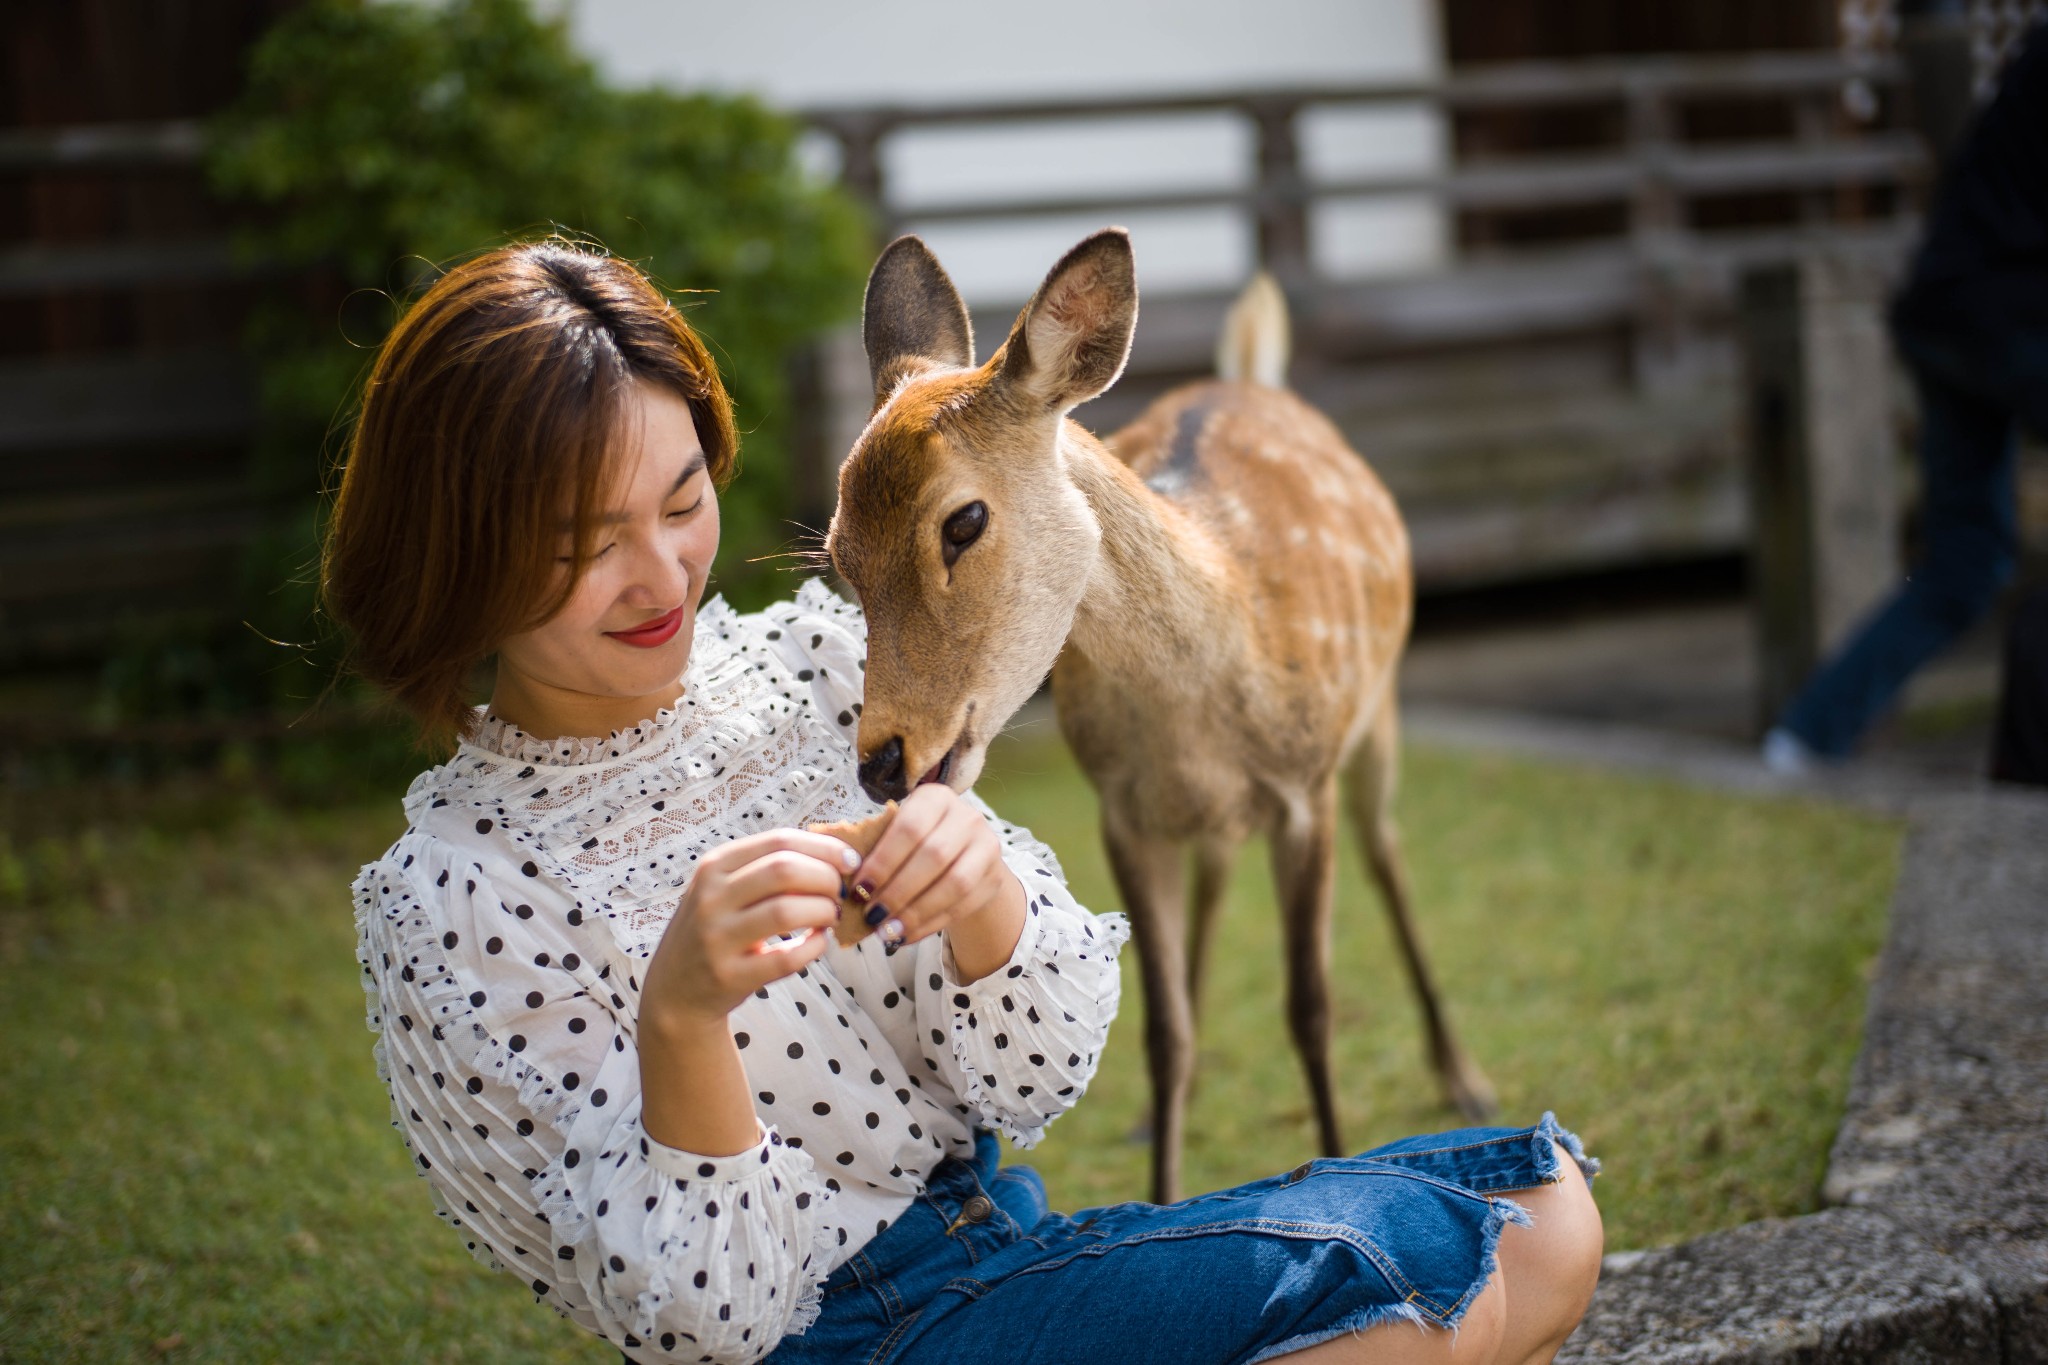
[{"x": 1220, "y": 593}]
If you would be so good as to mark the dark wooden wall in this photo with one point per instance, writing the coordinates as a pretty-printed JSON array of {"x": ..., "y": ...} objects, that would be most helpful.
[
  {"x": 125, "y": 400},
  {"x": 1516, "y": 30},
  {"x": 1484, "y": 31}
]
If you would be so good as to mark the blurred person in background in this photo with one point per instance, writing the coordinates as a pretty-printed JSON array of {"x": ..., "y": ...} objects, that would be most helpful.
[
  {"x": 1972, "y": 326},
  {"x": 2019, "y": 742}
]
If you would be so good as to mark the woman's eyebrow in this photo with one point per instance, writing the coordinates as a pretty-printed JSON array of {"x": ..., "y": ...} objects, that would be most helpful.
[{"x": 692, "y": 464}]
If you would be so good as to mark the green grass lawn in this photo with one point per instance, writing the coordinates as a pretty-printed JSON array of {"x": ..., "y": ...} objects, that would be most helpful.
[{"x": 196, "y": 1163}]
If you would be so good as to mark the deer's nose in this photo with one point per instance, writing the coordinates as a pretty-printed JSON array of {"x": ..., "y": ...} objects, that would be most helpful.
[{"x": 881, "y": 776}]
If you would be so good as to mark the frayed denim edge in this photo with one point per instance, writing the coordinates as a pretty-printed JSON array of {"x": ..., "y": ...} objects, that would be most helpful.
[
  {"x": 1499, "y": 1213},
  {"x": 1362, "y": 1320},
  {"x": 1589, "y": 1166}
]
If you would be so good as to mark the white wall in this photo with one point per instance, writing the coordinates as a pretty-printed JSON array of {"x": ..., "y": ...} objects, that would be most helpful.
[{"x": 800, "y": 53}]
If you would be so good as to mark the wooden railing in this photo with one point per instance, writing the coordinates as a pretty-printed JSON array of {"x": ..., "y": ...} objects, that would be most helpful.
[
  {"x": 1536, "y": 408},
  {"x": 1654, "y": 171},
  {"x": 124, "y": 491}
]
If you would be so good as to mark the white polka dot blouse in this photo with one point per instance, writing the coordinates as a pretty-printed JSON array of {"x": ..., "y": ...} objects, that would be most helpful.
[{"x": 502, "y": 939}]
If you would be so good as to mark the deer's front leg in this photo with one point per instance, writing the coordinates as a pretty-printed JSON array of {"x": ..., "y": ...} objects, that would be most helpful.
[{"x": 1148, "y": 874}]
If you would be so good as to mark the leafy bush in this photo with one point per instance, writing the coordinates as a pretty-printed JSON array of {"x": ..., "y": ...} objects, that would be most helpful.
[{"x": 376, "y": 141}]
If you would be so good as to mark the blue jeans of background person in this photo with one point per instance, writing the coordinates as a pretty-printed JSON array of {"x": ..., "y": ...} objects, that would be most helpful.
[
  {"x": 1975, "y": 394},
  {"x": 977, "y": 1269}
]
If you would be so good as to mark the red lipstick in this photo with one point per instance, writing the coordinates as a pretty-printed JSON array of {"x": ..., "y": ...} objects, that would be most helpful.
[{"x": 650, "y": 634}]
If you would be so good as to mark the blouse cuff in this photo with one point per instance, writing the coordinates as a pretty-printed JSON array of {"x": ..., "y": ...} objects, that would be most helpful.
[
  {"x": 678, "y": 1164},
  {"x": 1014, "y": 966},
  {"x": 1008, "y": 1031}
]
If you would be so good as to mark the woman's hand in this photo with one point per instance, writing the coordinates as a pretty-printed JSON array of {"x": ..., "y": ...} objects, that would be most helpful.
[
  {"x": 939, "y": 867},
  {"x": 723, "y": 944}
]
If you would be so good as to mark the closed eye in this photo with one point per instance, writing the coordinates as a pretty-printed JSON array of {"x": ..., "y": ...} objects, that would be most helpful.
[{"x": 571, "y": 559}]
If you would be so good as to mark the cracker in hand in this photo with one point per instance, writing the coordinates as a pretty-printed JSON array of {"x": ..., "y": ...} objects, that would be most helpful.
[{"x": 862, "y": 836}]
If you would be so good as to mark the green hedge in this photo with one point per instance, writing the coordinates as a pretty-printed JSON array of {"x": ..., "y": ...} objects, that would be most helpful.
[{"x": 376, "y": 142}]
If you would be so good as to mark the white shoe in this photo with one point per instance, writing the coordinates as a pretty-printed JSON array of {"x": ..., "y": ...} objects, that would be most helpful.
[{"x": 1785, "y": 754}]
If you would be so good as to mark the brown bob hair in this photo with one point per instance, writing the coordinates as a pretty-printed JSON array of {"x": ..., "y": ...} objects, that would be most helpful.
[{"x": 488, "y": 415}]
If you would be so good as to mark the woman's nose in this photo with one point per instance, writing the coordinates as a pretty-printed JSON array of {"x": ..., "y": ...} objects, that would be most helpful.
[{"x": 662, "y": 575}]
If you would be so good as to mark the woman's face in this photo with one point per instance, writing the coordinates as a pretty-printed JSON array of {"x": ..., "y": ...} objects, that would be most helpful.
[{"x": 625, "y": 631}]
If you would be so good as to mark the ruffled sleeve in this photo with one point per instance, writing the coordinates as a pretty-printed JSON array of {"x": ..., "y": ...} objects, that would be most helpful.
[
  {"x": 507, "y": 1045},
  {"x": 1020, "y": 1045}
]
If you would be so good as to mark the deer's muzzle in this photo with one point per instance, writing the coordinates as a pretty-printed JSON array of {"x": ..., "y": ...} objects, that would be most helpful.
[
  {"x": 884, "y": 778},
  {"x": 881, "y": 773}
]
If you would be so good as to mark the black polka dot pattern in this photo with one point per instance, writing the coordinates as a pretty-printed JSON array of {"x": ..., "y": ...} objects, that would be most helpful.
[{"x": 506, "y": 932}]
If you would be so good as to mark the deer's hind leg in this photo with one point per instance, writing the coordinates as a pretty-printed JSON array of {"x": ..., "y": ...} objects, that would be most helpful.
[
  {"x": 1149, "y": 877},
  {"x": 1304, "y": 846},
  {"x": 1213, "y": 861},
  {"x": 1370, "y": 778}
]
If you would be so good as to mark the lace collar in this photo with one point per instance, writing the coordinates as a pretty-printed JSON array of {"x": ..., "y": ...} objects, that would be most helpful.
[{"x": 715, "y": 663}]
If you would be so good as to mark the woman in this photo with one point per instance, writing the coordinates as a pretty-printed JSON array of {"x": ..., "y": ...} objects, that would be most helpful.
[{"x": 624, "y": 1047}]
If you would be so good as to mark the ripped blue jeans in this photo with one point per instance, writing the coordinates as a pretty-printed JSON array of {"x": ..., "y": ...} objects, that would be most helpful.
[{"x": 978, "y": 1270}]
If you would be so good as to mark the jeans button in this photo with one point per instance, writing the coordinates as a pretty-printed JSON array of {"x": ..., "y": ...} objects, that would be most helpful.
[
  {"x": 1299, "y": 1173},
  {"x": 977, "y": 1209}
]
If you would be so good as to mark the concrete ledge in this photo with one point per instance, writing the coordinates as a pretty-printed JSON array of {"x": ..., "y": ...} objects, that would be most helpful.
[
  {"x": 1844, "y": 1285},
  {"x": 1938, "y": 1247},
  {"x": 1946, "y": 1130}
]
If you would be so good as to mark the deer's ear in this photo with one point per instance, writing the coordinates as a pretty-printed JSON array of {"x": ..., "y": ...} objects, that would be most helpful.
[
  {"x": 912, "y": 312},
  {"x": 1071, "y": 341}
]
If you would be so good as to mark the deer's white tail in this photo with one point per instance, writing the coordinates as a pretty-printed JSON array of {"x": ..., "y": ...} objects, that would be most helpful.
[{"x": 1256, "y": 335}]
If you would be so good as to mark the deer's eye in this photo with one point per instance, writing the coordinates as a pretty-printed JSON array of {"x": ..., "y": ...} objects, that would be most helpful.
[{"x": 962, "y": 529}]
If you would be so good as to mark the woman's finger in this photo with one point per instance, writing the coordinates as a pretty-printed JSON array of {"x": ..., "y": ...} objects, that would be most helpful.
[
  {"x": 729, "y": 858},
  {"x": 924, "y": 868},
  {"x": 917, "y": 815},
  {"x": 944, "y": 842},
  {"x": 962, "y": 888},
  {"x": 751, "y": 928},
  {"x": 777, "y": 959},
  {"x": 967, "y": 888},
  {"x": 783, "y": 871}
]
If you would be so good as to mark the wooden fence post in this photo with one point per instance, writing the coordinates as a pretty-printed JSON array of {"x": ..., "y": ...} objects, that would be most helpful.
[
  {"x": 830, "y": 396},
  {"x": 1282, "y": 220},
  {"x": 1822, "y": 461},
  {"x": 1659, "y": 352},
  {"x": 860, "y": 157}
]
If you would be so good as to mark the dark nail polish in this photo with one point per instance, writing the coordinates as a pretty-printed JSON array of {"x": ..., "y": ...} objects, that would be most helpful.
[
  {"x": 863, "y": 891},
  {"x": 876, "y": 914}
]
